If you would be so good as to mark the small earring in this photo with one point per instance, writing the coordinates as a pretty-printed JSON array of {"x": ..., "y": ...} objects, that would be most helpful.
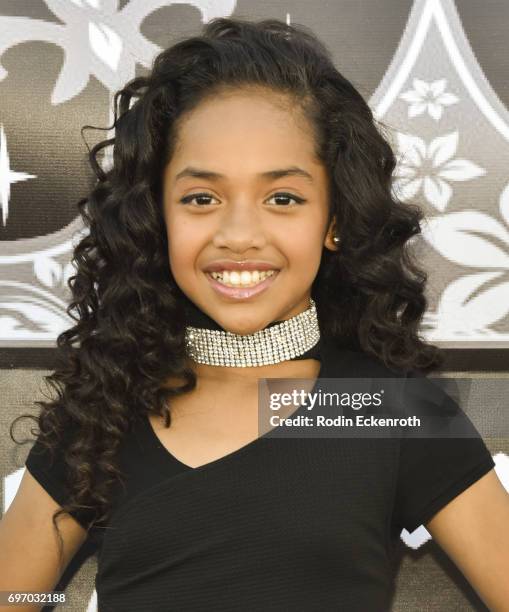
[{"x": 335, "y": 239}]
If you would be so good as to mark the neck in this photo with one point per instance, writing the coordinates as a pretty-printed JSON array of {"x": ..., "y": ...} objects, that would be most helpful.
[
  {"x": 248, "y": 376},
  {"x": 291, "y": 350}
]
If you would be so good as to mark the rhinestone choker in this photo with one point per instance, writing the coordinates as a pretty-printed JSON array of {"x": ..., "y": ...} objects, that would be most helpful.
[{"x": 277, "y": 342}]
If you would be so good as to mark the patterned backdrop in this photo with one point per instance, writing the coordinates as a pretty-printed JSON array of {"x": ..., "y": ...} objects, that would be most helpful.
[
  {"x": 433, "y": 72},
  {"x": 415, "y": 63}
]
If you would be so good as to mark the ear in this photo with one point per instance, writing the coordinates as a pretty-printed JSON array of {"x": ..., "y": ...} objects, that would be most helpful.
[{"x": 328, "y": 241}]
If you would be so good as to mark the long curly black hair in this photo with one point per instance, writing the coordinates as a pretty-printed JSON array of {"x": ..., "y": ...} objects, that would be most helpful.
[{"x": 114, "y": 365}]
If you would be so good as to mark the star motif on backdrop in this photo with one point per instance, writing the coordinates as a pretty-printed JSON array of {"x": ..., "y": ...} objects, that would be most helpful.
[
  {"x": 100, "y": 40},
  {"x": 7, "y": 176}
]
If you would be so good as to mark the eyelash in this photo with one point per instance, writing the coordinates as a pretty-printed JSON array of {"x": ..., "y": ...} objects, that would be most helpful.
[{"x": 189, "y": 198}]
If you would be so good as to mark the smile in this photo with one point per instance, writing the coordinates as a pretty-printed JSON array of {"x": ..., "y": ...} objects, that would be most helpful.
[
  {"x": 245, "y": 278},
  {"x": 241, "y": 285}
]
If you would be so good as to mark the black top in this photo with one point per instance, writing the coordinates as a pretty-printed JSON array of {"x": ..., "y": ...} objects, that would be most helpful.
[{"x": 280, "y": 524}]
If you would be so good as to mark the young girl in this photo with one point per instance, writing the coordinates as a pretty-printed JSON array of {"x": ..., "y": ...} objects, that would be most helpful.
[{"x": 246, "y": 230}]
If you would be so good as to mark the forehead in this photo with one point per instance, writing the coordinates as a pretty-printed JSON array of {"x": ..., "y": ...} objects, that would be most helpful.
[{"x": 247, "y": 128}]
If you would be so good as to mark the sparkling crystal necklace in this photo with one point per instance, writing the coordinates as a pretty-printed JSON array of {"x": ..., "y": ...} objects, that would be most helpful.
[{"x": 275, "y": 343}]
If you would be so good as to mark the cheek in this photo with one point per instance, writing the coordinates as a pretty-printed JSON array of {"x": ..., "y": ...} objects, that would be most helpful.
[
  {"x": 183, "y": 247},
  {"x": 303, "y": 246}
]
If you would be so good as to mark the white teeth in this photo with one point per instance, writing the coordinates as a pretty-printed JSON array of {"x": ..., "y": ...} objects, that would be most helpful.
[{"x": 245, "y": 278}]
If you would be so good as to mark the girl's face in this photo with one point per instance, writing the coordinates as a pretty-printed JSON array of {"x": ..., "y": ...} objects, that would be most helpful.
[{"x": 244, "y": 186}]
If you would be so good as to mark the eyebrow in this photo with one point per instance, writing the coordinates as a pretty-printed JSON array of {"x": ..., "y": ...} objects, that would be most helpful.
[{"x": 270, "y": 174}]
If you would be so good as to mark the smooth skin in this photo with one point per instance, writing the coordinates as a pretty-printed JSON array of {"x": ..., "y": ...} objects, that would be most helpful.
[
  {"x": 473, "y": 529},
  {"x": 241, "y": 136},
  {"x": 29, "y": 545}
]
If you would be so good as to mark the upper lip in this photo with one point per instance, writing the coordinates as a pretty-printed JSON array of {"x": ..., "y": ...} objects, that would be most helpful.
[{"x": 230, "y": 264}]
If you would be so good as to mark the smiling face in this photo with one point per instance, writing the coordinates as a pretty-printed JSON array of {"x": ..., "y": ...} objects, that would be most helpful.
[{"x": 223, "y": 200}]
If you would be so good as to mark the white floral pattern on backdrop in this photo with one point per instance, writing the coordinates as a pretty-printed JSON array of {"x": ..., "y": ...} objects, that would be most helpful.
[
  {"x": 449, "y": 131},
  {"x": 102, "y": 40},
  {"x": 450, "y": 134}
]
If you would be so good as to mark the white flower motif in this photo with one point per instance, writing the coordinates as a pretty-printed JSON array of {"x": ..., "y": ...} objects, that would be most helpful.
[
  {"x": 430, "y": 97},
  {"x": 472, "y": 303},
  {"x": 431, "y": 167},
  {"x": 106, "y": 43},
  {"x": 98, "y": 38}
]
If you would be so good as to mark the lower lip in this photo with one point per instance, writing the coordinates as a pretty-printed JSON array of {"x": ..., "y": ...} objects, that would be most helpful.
[{"x": 241, "y": 293}]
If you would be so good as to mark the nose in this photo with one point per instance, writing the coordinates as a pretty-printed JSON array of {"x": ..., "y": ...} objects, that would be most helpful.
[{"x": 240, "y": 228}]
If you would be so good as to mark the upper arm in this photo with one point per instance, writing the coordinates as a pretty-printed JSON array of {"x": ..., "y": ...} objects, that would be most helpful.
[
  {"x": 29, "y": 553},
  {"x": 473, "y": 529}
]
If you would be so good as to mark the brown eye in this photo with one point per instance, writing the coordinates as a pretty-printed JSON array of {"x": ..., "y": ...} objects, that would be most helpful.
[
  {"x": 196, "y": 196},
  {"x": 203, "y": 199},
  {"x": 288, "y": 196}
]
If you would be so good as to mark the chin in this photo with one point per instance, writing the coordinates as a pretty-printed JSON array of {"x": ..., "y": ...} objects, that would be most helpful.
[
  {"x": 241, "y": 325},
  {"x": 241, "y": 329}
]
